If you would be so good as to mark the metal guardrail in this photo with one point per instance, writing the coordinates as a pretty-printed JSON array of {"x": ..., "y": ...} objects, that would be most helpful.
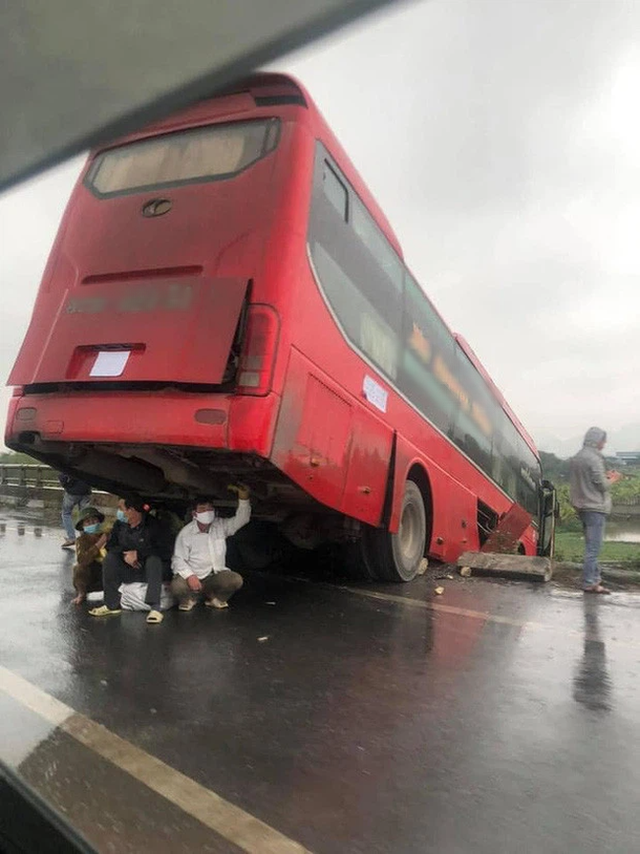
[{"x": 34, "y": 476}]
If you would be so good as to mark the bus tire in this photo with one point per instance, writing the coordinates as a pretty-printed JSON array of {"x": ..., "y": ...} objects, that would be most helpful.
[
  {"x": 400, "y": 554},
  {"x": 357, "y": 560}
]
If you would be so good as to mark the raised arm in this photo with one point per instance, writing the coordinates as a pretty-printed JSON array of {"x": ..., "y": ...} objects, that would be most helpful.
[{"x": 243, "y": 512}]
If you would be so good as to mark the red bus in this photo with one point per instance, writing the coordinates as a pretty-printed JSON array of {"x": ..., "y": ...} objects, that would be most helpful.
[{"x": 226, "y": 300}]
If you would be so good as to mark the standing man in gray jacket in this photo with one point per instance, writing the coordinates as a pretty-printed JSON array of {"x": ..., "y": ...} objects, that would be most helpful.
[{"x": 590, "y": 493}]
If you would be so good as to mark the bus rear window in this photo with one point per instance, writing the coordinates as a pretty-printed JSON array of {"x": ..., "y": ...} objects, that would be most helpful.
[{"x": 203, "y": 154}]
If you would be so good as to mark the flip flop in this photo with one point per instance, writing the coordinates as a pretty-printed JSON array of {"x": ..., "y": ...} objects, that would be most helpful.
[
  {"x": 597, "y": 588},
  {"x": 155, "y": 617},
  {"x": 103, "y": 611}
]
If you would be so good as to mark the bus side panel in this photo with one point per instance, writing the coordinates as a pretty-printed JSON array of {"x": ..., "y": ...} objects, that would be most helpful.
[
  {"x": 458, "y": 530},
  {"x": 329, "y": 445},
  {"x": 369, "y": 461},
  {"x": 312, "y": 434},
  {"x": 252, "y": 422}
]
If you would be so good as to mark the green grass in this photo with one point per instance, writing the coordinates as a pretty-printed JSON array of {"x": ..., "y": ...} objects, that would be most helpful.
[{"x": 570, "y": 547}]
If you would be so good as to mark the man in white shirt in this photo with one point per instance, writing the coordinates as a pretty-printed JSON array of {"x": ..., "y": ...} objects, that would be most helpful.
[{"x": 199, "y": 556}]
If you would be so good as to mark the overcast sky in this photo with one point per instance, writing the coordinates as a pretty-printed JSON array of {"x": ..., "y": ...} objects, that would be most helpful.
[{"x": 502, "y": 139}]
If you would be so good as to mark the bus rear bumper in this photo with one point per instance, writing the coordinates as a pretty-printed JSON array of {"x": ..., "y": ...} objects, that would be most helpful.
[{"x": 226, "y": 422}]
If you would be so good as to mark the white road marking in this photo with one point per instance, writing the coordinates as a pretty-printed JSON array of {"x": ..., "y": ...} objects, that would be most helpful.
[{"x": 227, "y": 820}]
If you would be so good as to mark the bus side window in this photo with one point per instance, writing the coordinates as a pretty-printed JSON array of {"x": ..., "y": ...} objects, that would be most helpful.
[
  {"x": 376, "y": 243},
  {"x": 335, "y": 190},
  {"x": 357, "y": 270}
]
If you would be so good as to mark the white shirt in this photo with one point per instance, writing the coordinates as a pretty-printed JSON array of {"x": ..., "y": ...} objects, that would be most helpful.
[{"x": 199, "y": 552}]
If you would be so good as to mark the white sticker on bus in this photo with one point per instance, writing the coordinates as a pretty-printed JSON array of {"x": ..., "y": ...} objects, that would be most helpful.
[
  {"x": 109, "y": 363},
  {"x": 375, "y": 394}
]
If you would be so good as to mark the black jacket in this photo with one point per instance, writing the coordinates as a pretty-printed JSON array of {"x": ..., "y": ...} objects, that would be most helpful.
[
  {"x": 148, "y": 538},
  {"x": 74, "y": 486}
]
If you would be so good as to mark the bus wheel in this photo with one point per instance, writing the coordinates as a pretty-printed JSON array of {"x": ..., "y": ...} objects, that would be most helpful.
[
  {"x": 357, "y": 561},
  {"x": 400, "y": 554}
]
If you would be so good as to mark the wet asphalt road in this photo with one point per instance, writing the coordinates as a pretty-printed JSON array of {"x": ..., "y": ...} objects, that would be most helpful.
[{"x": 494, "y": 718}]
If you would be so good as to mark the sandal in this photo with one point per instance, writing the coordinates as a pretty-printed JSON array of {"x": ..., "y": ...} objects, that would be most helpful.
[
  {"x": 597, "y": 588},
  {"x": 216, "y": 603},
  {"x": 103, "y": 611},
  {"x": 155, "y": 617}
]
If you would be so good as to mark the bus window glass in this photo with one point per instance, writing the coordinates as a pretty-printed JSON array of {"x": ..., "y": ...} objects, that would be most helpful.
[
  {"x": 377, "y": 244},
  {"x": 427, "y": 371},
  {"x": 361, "y": 323},
  {"x": 515, "y": 467},
  {"x": 477, "y": 415},
  {"x": 334, "y": 190},
  {"x": 204, "y": 154},
  {"x": 359, "y": 291}
]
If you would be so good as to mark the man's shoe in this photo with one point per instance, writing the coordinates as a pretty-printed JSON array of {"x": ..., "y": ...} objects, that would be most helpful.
[
  {"x": 69, "y": 544},
  {"x": 187, "y": 604},
  {"x": 216, "y": 603},
  {"x": 103, "y": 611}
]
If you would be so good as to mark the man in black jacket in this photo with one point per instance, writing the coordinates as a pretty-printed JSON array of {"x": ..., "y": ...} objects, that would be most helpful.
[
  {"x": 138, "y": 550},
  {"x": 76, "y": 493}
]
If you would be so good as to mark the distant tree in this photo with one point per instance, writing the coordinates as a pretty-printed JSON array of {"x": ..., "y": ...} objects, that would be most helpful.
[
  {"x": 568, "y": 516},
  {"x": 627, "y": 490},
  {"x": 553, "y": 468}
]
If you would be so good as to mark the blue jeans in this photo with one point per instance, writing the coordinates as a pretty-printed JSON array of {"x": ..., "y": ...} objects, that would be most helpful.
[
  {"x": 593, "y": 527},
  {"x": 68, "y": 503}
]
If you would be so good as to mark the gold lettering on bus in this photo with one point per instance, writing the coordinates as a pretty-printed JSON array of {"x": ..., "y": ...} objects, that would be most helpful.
[
  {"x": 448, "y": 380},
  {"x": 420, "y": 344}
]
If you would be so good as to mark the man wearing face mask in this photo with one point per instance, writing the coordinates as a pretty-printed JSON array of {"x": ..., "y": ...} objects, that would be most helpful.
[
  {"x": 137, "y": 551},
  {"x": 199, "y": 558},
  {"x": 121, "y": 515}
]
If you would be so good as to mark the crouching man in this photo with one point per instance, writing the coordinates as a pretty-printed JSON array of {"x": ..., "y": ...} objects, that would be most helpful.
[
  {"x": 199, "y": 557},
  {"x": 136, "y": 552}
]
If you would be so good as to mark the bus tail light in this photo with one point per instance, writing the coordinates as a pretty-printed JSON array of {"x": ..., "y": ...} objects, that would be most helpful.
[{"x": 259, "y": 350}]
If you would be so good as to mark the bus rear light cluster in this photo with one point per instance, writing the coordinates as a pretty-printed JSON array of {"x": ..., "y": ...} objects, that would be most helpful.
[{"x": 258, "y": 354}]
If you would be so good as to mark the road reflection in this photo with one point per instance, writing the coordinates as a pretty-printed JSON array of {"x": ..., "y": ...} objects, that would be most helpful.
[{"x": 592, "y": 685}]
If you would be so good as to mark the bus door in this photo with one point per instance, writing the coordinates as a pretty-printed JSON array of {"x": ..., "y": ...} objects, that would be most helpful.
[{"x": 549, "y": 508}]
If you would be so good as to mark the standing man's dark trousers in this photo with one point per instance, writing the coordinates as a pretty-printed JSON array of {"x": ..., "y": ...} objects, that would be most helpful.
[{"x": 115, "y": 571}]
